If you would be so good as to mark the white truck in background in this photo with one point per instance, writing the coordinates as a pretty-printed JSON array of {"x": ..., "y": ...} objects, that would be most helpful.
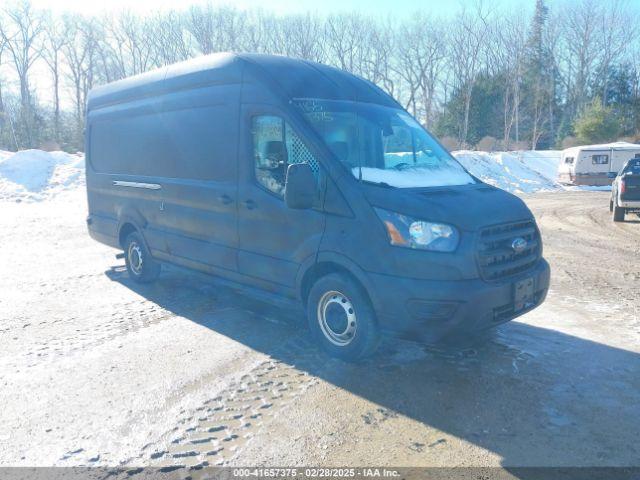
[{"x": 625, "y": 191}]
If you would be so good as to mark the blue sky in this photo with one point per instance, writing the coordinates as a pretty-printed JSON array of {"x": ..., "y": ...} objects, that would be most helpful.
[{"x": 398, "y": 8}]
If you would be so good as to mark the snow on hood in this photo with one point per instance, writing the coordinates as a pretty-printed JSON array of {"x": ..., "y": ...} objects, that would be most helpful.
[
  {"x": 36, "y": 175},
  {"x": 415, "y": 177}
]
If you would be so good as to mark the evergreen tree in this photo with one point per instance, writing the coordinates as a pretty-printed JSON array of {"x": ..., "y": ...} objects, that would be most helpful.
[
  {"x": 485, "y": 113},
  {"x": 538, "y": 83},
  {"x": 596, "y": 124},
  {"x": 622, "y": 97}
]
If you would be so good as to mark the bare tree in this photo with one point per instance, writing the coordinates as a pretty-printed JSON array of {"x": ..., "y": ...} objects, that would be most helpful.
[
  {"x": 81, "y": 55},
  {"x": 21, "y": 33},
  {"x": 345, "y": 37},
  {"x": 382, "y": 46},
  {"x": 431, "y": 66},
  {"x": 612, "y": 40},
  {"x": 508, "y": 52},
  {"x": 304, "y": 35},
  {"x": 168, "y": 38},
  {"x": 421, "y": 52},
  {"x": 55, "y": 38},
  {"x": 216, "y": 29},
  {"x": 468, "y": 49},
  {"x": 580, "y": 48}
]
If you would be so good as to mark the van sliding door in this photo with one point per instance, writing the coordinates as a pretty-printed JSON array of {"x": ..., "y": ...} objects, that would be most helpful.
[{"x": 199, "y": 217}]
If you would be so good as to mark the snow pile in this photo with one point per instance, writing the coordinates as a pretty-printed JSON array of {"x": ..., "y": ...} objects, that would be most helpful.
[
  {"x": 37, "y": 175},
  {"x": 517, "y": 172}
]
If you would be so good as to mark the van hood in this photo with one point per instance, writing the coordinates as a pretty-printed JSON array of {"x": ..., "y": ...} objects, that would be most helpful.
[{"x": 468, "y": 207}]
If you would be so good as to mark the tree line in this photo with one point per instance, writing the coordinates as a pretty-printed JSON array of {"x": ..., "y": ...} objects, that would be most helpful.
[{"x": 487, "y": 77}]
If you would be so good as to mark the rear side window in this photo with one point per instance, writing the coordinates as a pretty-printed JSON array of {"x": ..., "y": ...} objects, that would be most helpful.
[
  {"x": 190, "y": 143},
  {"x": 600, "y": 159},
  {"x": 633, "y": 167},
  {"x": 275, "y": 147}
]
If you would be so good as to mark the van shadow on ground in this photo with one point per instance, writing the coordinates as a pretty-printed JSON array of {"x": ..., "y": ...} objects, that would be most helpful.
[{"x": 534, "y": 396}]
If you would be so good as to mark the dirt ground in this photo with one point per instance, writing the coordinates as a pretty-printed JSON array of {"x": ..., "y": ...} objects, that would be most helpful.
[{"x": 95, "y": 370}]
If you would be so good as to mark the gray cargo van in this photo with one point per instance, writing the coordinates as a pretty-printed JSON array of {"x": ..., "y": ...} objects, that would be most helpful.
[{"x": 309, "y": 184}]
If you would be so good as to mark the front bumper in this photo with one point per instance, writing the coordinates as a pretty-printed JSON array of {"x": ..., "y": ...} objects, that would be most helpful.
[{"x": 429, "y": 310}]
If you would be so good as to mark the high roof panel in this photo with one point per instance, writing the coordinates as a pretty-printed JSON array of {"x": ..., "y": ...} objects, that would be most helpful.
[
  {"x": 304, "y": 79},
  {"x": 292, "y": 78}
]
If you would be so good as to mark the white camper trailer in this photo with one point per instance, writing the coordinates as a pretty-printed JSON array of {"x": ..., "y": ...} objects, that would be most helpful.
[{"x": 595, "y": 164}]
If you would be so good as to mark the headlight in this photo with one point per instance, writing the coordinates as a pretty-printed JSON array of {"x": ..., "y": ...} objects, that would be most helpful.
[{"x": 409, "y": 232}]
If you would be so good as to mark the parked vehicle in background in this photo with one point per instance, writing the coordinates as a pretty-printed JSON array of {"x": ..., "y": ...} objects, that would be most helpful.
[
  {"x": 595, "y": 164},
  {"x": 625, "y": 191},
  {"x": 309, "y": 184}
]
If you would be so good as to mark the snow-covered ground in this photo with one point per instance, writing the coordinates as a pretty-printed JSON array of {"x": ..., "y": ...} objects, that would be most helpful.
[{"x": 35, "y": 175}]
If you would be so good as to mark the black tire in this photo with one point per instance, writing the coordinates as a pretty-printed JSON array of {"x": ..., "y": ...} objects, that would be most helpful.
[
  {"x": 618, "y": 213},
  {"x": 337, "y": 301},
  {"x": 611, "y": 205},
  {"x": 141, "y": 266}
]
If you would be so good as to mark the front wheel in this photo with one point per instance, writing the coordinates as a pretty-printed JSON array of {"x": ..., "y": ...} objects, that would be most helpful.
[
  {"x": 141, "y": 266},
  {"x": 341, "y": 318}
]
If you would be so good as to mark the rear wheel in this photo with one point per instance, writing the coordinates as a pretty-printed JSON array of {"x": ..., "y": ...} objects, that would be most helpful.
[
  {"x": 141, "y": 266},
  {"x": 618, "y": 213},
  {"x": 341, "y": 318}
]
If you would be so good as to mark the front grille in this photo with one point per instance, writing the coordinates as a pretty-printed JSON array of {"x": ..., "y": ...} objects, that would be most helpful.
[{"x": 497, "y": 258}]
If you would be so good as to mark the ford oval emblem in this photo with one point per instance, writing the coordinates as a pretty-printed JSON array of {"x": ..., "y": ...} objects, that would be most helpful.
[{"x": 519, "y": 244}]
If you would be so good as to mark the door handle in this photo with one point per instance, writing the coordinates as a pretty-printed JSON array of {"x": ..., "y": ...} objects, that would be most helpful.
[
  {"x": 225, "y": 199},
  {"x": 250, "y": 204}
]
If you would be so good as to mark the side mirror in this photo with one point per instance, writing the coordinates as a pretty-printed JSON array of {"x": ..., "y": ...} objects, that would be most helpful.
[{"x": 300, "y": 187}]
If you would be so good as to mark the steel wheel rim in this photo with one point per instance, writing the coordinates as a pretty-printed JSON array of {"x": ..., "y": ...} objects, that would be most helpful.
[
  {"x": 339, "y": 331},
  {"x": 135, "y": 258}
]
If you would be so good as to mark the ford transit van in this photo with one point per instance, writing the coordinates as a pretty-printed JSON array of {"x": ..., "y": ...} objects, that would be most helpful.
[{"x": 307, "y": 184}]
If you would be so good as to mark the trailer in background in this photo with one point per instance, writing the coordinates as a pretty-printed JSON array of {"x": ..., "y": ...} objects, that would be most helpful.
[{"x": 595, "y": 164}]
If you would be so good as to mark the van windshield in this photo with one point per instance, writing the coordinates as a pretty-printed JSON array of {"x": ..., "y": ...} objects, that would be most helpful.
[{"x": 383, "y": 145}]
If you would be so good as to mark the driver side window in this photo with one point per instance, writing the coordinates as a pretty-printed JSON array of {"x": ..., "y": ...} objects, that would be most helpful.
[{"x": 275, "y": 146}]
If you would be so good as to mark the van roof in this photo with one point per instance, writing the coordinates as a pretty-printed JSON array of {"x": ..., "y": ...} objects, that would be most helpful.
[
  {"x": 603, "y": 146},
  {"x": 292, "y": 78}
]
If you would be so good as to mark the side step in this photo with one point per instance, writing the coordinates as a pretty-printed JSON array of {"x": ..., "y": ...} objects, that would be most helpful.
[
  {"x": 278, "y": 300},
  {"x": 275, "y": 299}
]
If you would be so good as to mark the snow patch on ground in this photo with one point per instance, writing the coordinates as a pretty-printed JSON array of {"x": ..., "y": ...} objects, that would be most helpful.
[{"x": 35, "y": 175}]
